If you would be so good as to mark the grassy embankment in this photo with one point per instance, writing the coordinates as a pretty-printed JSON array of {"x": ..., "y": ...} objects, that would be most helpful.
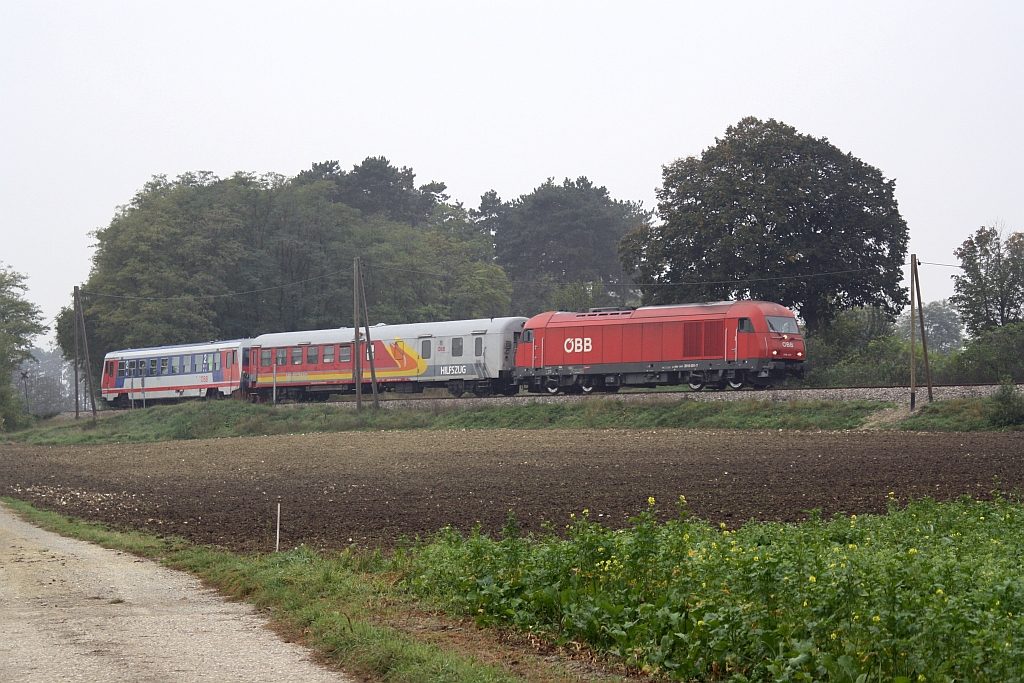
[
  {"x": 198, "y": 420},
  {"x": 928, "y": 592}
]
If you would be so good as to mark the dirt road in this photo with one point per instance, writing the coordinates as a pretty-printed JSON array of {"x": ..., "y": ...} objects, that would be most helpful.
[{"x": 71, "y": 611}]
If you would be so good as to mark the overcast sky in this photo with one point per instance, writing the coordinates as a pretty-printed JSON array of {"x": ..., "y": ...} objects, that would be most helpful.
[{"x": 97, "y": 97}]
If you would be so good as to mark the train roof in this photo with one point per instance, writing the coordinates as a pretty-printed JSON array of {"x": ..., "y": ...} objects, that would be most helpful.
[
  {"x": 197, "y": 347},
  {"x": 341, "y": 335},
  {"x": 688, "y": 310}
]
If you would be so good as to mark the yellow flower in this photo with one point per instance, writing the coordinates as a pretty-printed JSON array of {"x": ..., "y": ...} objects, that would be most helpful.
[
  {"x": 876, "y": 619},
  {"x": 650, "y": 500},
  {"x": 939, "y": 592},
  {"x": 812, "y": 579},
  {"x": 912, "y": 551}
]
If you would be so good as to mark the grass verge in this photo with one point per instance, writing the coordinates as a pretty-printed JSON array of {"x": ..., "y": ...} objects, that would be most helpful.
[
  {"x": 199, "y": 420},
  {"x": 346, "y": 607}
]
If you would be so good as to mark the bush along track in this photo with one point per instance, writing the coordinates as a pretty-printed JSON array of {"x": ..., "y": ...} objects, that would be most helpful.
[
  {"x": 928, "y": 592},
  {"x": 201, "y": 420}
]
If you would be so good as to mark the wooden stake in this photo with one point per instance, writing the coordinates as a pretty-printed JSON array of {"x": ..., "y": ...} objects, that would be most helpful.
[
  {"x": 913, "y": 341},
  {"x": 357, "y": 368},
  {"x": 369, "y": 342},
  {"x": 277, "y": 543},
  {"x": 920, "y": 317}
]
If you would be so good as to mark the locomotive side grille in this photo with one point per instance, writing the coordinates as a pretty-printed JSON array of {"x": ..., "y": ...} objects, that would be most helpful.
[
  {"x": 692, "y": 338},
  {"x": 714, "y": 338}
]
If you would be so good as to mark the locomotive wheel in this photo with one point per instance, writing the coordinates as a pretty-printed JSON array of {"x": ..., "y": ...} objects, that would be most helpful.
[
  {"x": 587, "y": 387},
  {"x": 696, "y": 386},
  {"x": 736, "y": 384},
  {"x": 552, "y": 388}
]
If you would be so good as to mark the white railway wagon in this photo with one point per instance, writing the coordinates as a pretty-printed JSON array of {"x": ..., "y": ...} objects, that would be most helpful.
[{"x": 461, "y": 355}]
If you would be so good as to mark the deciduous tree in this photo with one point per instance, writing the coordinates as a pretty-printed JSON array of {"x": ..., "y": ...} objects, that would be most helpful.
[
  {"x": 769, "y": 213},
  {"x": 20, "y": 322},
  {"x": 990, "y": 293}
]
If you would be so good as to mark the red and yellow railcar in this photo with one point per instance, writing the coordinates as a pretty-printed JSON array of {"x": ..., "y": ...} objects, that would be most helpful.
[{"x": 716, "y": 345}]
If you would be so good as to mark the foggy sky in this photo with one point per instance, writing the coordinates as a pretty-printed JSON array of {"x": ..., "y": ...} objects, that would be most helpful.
[{"x": 97, "y": 97}]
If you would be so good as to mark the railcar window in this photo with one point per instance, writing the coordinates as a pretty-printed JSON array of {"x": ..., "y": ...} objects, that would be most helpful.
[
  {"x": 456, "y": 346},
  {"x": 175, "y": 364},
  {"x": 478, "y": 346},
  {"x": 345, "y": 354},
  {"x": 228, "y": 358},
  {"x": 282, "y": 356},
  {"x": 329, "y": 354},
  {"x": 120, "y": 368},
  {"x": 781, "y": 325},
  {"x": 131, "y": 368},
  {"x": 153, "y": 366},
  {"x": 215, "y": 358},
  {"x": 186, "y": 365},
  {"x": 745, "y": 325},
  {"x": 265, "y": 358},
  {"x": 297, "y": 355},
  {"x": 425, "y": 348},
  {"x": 369, "y": 352},
  {"x": 163, "y": 366},
  {"x": 313, "y": 355}
]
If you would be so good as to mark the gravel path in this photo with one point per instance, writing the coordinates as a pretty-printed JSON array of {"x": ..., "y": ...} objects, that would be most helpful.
[{"x": 71, "y": 611}]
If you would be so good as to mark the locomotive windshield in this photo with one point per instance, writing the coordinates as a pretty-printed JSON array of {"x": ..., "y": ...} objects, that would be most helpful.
[{"x": 782, "y": 325}]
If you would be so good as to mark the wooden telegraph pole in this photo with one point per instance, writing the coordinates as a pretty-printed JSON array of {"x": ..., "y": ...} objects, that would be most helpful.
[
  {"x": 369, "y": 342},
  {"x": 80, "y": 320},
  {"x": 920, "y": 318},
  {"x": 357, "y": 370},
  {"x": 915, "y": 296},
  {"x": 75, "y": 319}
]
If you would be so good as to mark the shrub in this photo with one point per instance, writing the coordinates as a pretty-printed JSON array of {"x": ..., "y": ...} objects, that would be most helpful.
[{"x": 1007, "y": 406}]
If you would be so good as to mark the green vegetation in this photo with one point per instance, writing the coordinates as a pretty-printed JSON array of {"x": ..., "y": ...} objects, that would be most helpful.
[
  {"x": 931, "y": 592},
  {"x": 20, "y": 322},
  {"x": 201, "y": 420},
  {"x": 1003, "y": 410},
  {"x": 335, "y": 605}
]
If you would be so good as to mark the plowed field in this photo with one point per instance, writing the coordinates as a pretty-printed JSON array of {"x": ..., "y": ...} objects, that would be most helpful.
[{"x": 373, "y": 488}]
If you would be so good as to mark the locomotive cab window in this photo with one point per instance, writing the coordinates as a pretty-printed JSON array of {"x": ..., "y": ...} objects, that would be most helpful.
[
  {"x": 745, "y": 325},
  {"x": 781, "y": 325},
  {"x": 425, "y": 348},
  {"x": 478, "y": 346},
  {"x": 456, "y": 346},
  {"x": 527, "y": 336}
]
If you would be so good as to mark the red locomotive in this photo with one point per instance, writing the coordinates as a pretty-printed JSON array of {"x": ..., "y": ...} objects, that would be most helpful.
[{"x": 715, "y": 345}]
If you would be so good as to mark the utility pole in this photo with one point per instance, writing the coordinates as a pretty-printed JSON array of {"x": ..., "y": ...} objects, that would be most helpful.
[
  {"x": 913, "y": 341},
  {"x": 357, "y": 370},
  {"x": 24, "y": 381},
  {"x": 85, "y": 346},
  {"x": 75, "y": 317},
  {"x": 369, "y": 342},
  {"x": 920, "y": 317}
]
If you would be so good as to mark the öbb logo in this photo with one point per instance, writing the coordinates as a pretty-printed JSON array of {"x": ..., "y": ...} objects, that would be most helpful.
[{"x": 578, "y": 345}]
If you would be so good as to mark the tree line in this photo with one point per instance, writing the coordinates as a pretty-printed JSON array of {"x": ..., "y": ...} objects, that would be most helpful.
[{"x": 765, "y": 212}]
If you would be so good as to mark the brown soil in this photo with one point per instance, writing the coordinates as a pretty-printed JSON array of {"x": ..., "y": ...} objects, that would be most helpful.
[{"x": 374, "y": 488}]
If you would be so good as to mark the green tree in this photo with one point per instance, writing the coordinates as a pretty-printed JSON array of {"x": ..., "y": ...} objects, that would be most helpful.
[
  {"x": 20, "y": 322},
  {"x": 558, "y": 234},
  {"x": 942, "y": 324},
  {"x": 200, "y": 257},
  {"x": 990, "y": 293},
  {"x": 769, "y": 213}
]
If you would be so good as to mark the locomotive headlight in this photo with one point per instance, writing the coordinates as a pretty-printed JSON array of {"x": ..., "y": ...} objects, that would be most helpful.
[
  {"x": 799, "y": 354},
  {"x": 775, "y": 353},
  {"x": 785, "y": 336}
]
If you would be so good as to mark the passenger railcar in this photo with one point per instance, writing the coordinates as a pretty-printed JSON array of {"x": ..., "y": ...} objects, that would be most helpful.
[
  {"x": 210, "y": 370},
  {"x": 716, "y": 345},
  {"x": 475, "y": 356}
]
